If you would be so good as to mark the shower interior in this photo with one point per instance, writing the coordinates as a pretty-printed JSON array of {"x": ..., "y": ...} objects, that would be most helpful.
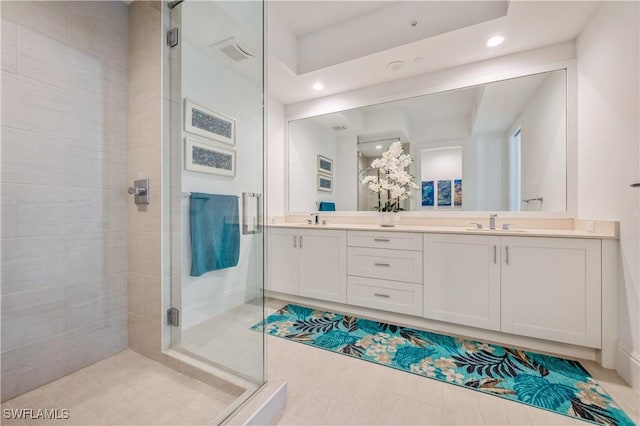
[{"x": 92, "y": 99}]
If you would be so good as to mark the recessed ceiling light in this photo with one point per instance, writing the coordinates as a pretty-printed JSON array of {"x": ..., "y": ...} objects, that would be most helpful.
[
  {"x": 395, "y": 65},
  {"x": 378, "y": 146},
  {"x": 318, "y": 86},
  {"x": 495, "y": 40}
]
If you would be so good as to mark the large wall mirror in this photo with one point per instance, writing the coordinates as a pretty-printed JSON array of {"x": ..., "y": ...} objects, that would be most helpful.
[{"x": 500, "y": 146}]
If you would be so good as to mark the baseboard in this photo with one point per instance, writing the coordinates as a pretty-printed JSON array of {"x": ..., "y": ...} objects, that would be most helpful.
[{"x": 628, "y": 365}]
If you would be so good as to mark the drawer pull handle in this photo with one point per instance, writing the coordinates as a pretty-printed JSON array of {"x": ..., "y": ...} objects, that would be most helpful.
[
  {"x": 495, "y": 257},
  {"x": 381, "y": 240},
  {"x": 381, "y": 264},
  {"x": 386, "y": 296}
]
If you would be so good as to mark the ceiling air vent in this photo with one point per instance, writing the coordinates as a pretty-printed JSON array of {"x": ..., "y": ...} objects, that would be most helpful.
[
  {"x": 339, "y": 127},
  {"x": 233, "y": 49}
]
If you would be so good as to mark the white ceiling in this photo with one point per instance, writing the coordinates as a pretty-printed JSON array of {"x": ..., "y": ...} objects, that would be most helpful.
[
  {"x": 496, "y": 106},
  {"x": 303, "y": 18},
  {"x": 527, "y": 25}
]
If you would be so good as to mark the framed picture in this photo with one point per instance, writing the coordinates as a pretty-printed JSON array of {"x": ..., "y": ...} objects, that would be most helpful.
[
  {"x": 325, "y": 183},
  {"x": 427, "y": 193},
  {"x": 213, "y": 125},
  {"x": 444, "y": 193},
  {"x": 457, "y": 192},
  {"x": 325, "y": 165},
  {"x": 205, "y": 158}
]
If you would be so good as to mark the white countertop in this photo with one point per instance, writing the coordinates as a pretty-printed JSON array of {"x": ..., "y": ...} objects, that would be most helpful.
[{"x": 514, "y": 232}]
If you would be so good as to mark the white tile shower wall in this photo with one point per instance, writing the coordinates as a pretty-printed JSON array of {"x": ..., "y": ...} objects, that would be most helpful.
[{"x": 64, "y": 202}]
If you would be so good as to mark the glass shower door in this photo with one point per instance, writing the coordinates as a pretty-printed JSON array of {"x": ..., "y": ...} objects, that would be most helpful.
[{"x": 217, "y": 178}]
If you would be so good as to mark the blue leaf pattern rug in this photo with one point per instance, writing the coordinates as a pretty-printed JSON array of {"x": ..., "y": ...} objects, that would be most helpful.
[{"x": 555, "y": 384}]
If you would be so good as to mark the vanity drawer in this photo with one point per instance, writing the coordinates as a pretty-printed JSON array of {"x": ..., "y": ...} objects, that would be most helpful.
[
  {"x": 392, "y": 296},
  {"x": 386, "y": 240},
  {"x": 396, "y": 265}
]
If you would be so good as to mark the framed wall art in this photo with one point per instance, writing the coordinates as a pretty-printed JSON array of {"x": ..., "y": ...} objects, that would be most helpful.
[
  {"x": 205, "y": 158},
  {"x": 209, "y": 124},
  {"x": 325, "y": 165},
  {"x": 325, "y": 183},
  {"x": 444, "y": 192},
  {"x": 427, "y": 193}
]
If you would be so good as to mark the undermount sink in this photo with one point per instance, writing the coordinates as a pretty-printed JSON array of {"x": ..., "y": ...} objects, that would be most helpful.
[{"x": 496, "y": 230}]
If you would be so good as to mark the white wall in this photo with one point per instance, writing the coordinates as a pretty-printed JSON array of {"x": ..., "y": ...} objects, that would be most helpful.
[
  {"x": 233, "y": 95},
  {"x": 64, "y": 179},
  {"x": 307, "y": 141},
  {"x": 608, "y": 153},
  {"x": 276, "y": 159},
  {"x": 543, "y": 145},
  {"x": 346, "y": 173}
]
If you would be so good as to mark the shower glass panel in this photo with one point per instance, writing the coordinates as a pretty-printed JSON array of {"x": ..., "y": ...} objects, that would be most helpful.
[{"x": 217, "y": 160}]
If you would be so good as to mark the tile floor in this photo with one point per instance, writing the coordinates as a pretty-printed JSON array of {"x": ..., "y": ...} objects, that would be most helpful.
[
  {"x": 324, "y": 388},
  {"x": 126, "y": 389},
  {"x": 228, "y": 341}
]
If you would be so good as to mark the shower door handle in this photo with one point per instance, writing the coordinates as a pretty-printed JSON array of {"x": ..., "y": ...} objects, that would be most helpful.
[{"x": 256, "y": 226}]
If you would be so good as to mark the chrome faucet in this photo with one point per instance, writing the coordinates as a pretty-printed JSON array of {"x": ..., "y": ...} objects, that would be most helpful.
[
  {"x": 316, "y": 218},
  {"x": 492, "y": 220}
]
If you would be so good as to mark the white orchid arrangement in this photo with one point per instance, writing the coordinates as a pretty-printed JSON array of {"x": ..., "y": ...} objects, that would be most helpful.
[{"x": 392, "y": 178}]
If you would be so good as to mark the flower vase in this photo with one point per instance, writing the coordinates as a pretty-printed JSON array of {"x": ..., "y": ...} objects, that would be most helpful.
[{"x": 388, "y": 219}]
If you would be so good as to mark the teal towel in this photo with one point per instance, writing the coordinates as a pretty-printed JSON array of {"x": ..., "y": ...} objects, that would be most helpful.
[
  {"x": 215, "y": 232},
  {"x": 327, "y": 206}
]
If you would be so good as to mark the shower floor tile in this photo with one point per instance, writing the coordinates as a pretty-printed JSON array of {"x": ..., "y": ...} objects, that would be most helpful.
[
  {"x": 126, "y": 389},
  {"x": 228, "y": 341}
]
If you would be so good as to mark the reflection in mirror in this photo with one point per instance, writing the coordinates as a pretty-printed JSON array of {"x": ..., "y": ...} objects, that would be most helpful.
[{"x": 494, "y": 147}]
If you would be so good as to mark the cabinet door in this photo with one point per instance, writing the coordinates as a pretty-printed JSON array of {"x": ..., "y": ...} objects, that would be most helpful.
[
  {"x": 323, "y": 265},
  {"x": 282, "y": 260},
  {"x": 462, "y": 279},
  {"x": 551, "y": 289}
]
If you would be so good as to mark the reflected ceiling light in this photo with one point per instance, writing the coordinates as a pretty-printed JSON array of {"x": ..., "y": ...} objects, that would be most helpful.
[
  {"x": 318, "y": 86},
  {"x": 378, "y": 146},
  {"x": 395, "y": 65},
  {"x": 495, "y": 40}
]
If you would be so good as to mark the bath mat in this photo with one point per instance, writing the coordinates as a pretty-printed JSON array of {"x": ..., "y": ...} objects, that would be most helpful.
[{"x": 554, "y": 384}]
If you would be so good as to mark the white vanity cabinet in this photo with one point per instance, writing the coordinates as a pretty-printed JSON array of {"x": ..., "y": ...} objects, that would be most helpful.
[
  {"x": 462, "y": 279},
  {"x": 551, "y": 289},
  {"x": 283, "y": 269},
  {"x": 308, "y": 262},
  {"x": 533, "y": 291},
  {"x": 385, "y": 271},
  {"x": 547, "y": 288}
]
